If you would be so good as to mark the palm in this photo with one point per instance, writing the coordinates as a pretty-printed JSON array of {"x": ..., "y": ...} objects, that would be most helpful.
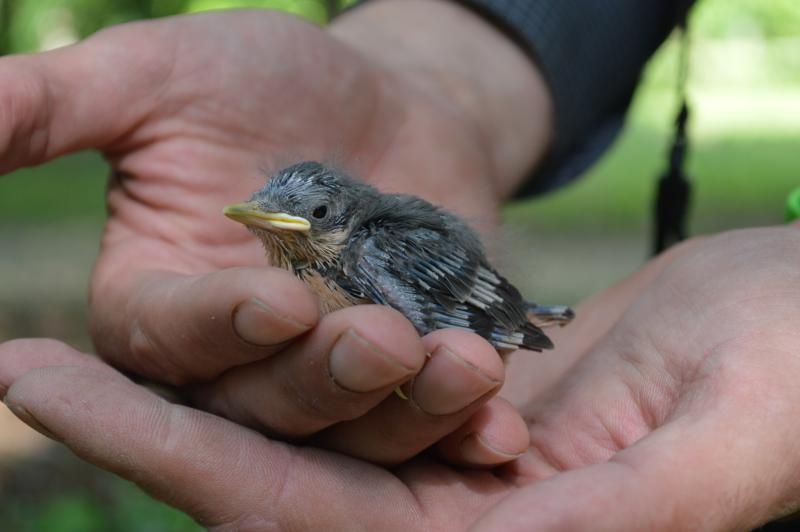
[
  {"x": 205, "y": 139},
  {"x": 202, "y": 140}
]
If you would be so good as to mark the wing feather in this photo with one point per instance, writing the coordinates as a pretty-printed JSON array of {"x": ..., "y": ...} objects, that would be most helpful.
[{"x": 437, "y": 282}]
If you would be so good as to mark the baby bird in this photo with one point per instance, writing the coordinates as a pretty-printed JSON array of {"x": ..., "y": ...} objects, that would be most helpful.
[{"x": 353, "y": 244}]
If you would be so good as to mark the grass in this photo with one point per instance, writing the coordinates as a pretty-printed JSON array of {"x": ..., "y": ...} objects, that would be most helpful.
[
  {"x": 75, "y": 511},
  {"x": 57, "y": 492},
  {"x": 742, "y": 162},
  {"x": 737, "y": 182}
]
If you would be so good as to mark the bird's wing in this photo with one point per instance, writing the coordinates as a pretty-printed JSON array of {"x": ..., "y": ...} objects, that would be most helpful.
[
  {"x": 436, "y": 282},
  {"x": 421, "y": 257}
]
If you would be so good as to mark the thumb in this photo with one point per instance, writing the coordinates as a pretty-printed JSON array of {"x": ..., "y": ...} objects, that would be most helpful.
[{"x": 84, "y": 96}]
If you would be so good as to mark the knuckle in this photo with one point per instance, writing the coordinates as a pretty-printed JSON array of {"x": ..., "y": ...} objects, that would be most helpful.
[
  {"x": 151, "y": 359},
  {"x": 314, "y": 407},
  {"x": 308, "y": 409},
  {"x": 26, "y": 106}
]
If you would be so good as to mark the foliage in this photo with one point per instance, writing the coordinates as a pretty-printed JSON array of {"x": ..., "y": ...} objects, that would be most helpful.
[
  {"x": 27, "y": 25},
  {"x": 314, "y": 10},
  {"x": 749, "y": 18},
  {"x": 80, "y": 178},
  {"x": 30, "y": 25},
  {"x": 130, "y": 510}
]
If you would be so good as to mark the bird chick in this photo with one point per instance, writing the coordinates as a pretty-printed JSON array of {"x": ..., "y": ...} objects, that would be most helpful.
[{"x": 352, "y": 244}]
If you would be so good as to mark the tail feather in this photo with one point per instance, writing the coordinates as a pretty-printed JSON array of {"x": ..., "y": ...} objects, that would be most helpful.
[
  {"x": 528, "y": 336},
  {"x": 546, "y": 315}
]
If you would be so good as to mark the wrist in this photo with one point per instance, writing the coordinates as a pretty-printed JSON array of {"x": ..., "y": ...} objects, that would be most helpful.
[{"x": 469, "y": 68}]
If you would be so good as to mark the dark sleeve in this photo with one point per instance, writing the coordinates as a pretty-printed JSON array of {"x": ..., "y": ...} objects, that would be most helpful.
[{"x": 591, "y": 53}]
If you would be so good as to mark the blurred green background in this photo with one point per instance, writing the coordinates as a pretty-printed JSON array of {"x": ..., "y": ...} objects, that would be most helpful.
[{"x": 745, "y": 94}]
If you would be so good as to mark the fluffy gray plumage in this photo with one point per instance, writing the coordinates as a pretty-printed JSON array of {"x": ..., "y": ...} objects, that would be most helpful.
[{"x": 397, "y": 250}]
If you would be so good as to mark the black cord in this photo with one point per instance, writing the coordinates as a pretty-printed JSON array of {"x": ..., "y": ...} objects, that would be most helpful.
[{"x": 674, "y": 188}]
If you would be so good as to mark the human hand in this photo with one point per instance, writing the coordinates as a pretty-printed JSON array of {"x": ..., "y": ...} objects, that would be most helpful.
[
  {"x": 679, "y": 418},
  {"x": 224, "y": 475},
  {"x": 675, "y": 420},
  {"x": 186, "y": 109}
]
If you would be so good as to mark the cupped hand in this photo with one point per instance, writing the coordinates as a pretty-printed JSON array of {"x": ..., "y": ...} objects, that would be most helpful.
[
  {"x": 680, "y": 418},
  {"x": 187, "y": 110}
]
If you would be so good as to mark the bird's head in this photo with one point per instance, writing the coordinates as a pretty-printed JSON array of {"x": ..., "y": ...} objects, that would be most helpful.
[{"x": 306, "y": 210}]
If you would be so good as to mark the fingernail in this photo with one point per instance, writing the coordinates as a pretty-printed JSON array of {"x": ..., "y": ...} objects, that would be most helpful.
[
  {"x": 255, "y": 322},
  {"x": 27, "y": 418},
  {"x": 359, "y": 366},
  {"x": 476, "y": 450},
  {"x": 448, "y": 383}
]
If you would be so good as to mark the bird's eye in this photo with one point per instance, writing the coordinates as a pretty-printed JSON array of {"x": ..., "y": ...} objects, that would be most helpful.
[{"x": 320, "y": 212}]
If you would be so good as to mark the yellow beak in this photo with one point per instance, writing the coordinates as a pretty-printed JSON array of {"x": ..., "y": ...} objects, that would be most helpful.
[{"x": 251, "y": 214}]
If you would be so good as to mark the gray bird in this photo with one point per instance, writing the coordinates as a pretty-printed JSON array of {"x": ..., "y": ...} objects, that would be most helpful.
[{"x": 353, "y": 244}]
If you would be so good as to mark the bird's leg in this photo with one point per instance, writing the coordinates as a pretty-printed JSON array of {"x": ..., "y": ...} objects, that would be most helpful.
[
  {"x": 547, "y": 315},
  {"x": 399, "y": 392}
]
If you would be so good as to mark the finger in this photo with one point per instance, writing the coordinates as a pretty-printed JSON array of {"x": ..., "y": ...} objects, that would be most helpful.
[
  {"x": 462, "y": 373},
  {"x": 18, "y": 357},
  {"x": 687, "y": 476},
  {"x": 349, "y": 363},
  {"x": 494, "y": 435},
  {"x": 221, "y": 474},
  {"x": 179, "y": 329},
  {"x": 85, "y": 96}
]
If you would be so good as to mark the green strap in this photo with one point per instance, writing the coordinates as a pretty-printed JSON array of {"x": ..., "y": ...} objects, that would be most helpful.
[{"x": 793, "y": 206}]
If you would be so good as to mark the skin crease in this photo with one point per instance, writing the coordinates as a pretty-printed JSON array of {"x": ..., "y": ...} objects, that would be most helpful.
[{"x": 680, "y": 380}]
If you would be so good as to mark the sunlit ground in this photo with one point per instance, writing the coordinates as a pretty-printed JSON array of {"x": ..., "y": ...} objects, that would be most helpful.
[{"x": 561, "y": 248}]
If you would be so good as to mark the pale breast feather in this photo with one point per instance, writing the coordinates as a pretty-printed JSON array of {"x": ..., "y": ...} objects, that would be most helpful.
[{"x": 331, "y": 295}]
